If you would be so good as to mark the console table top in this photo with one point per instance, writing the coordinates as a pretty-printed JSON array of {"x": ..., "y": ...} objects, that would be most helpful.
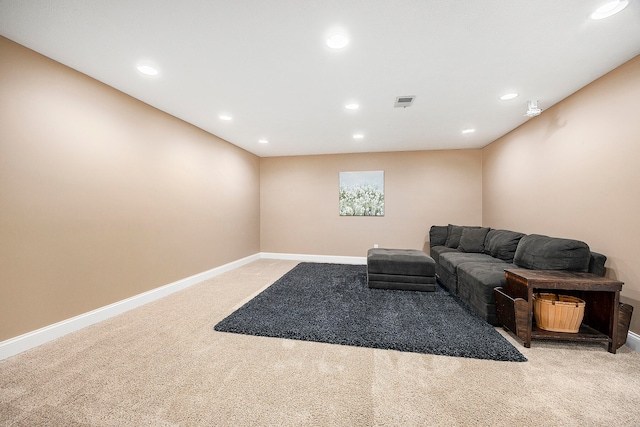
[{"x": 560, "y": 279}]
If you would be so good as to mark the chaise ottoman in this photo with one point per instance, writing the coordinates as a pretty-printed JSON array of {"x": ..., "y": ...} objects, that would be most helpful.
[{"x": 403, "y": 269}]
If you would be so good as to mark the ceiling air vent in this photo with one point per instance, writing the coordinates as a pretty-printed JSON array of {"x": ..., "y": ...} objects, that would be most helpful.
[{"x": 404, "y": 101}]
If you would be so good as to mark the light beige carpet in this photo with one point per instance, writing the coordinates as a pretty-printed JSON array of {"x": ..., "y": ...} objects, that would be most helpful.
[{"x": 164, "y": 365}]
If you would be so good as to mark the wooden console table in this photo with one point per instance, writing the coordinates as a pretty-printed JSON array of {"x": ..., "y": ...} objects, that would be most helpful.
[{"x": 514, "y": 304}]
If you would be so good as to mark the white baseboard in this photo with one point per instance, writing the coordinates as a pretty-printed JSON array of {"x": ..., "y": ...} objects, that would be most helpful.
[
  {"x": 38, "y": 337},
  {"x": 315, "y": 258},
  {"x": 41, "y": 336},
  {"x": 633, "y": 341}
]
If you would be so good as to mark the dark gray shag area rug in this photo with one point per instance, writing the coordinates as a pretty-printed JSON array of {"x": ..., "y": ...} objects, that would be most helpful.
[{"x": 331, "y": 303}]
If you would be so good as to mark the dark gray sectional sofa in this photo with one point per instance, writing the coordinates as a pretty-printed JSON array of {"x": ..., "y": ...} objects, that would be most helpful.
[{"x": 470, "y": 261}]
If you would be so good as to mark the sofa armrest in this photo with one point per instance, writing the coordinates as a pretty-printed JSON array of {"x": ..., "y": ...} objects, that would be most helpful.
[
  {"x": 438, "y": 235},
  {"x": 596, "y": 263}
]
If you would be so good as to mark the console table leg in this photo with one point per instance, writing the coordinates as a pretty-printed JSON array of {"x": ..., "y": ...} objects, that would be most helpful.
[
  {"x": 527, "y": 342},
  {"x": 521, "y": 309},
  {"x": 613, "y": 323}
]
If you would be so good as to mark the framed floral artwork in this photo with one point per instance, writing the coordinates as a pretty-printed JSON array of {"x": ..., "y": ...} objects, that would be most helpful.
[{"x": 362, "y": 193}]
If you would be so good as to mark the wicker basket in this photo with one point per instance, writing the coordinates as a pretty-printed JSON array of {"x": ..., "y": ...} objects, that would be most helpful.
[{"x": 558, "y": 313}]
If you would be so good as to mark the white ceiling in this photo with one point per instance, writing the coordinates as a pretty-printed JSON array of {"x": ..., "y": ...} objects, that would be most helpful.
[{"x": 265, "y": 63}]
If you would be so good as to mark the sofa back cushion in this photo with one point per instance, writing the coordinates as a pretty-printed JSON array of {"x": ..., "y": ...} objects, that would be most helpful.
[
  {"x": 502, "y": 244},
  {"x": 454, "y": 233},
  {"x": 438, "y": 235},
  {"x": 537, "y": 252},
  {"x": 472, "y": 239}
]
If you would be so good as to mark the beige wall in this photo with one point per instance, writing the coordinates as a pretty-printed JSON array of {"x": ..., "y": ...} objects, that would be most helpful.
[
  {"x": 573, "y": 172},
  {"x": 103, "y": 197},
  {"x": 299, "y": 200}
]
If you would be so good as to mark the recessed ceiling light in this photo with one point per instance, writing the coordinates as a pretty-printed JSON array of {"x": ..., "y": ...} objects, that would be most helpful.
[
  {"x": 358, "y": 136},
  {"x": 609, "y": 9},
  {"x": 508, "y": 96},
  {"x": 352, "y": 106},
  {"x": 263, "y": 141},
  {"x": 470, "y": 130},
  {"x": 225, "y": 117},
  {"x": 148, "y": 70},
  {"x": 337, "y": 41}
]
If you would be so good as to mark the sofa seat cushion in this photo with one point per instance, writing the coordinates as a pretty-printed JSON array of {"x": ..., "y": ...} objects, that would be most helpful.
[
  {"x": 476, "y": 281},
  {"x": 436, "y": 251},
  {"x": 449, "y": 262},
  {"x": 538, "y": 252}
]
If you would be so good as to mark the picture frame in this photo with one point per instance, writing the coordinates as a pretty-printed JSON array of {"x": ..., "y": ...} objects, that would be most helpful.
[{"x": 361, "y": 193}]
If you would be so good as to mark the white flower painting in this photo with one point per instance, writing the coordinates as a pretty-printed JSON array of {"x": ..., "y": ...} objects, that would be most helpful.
[{"x": 362, "y": 193}]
